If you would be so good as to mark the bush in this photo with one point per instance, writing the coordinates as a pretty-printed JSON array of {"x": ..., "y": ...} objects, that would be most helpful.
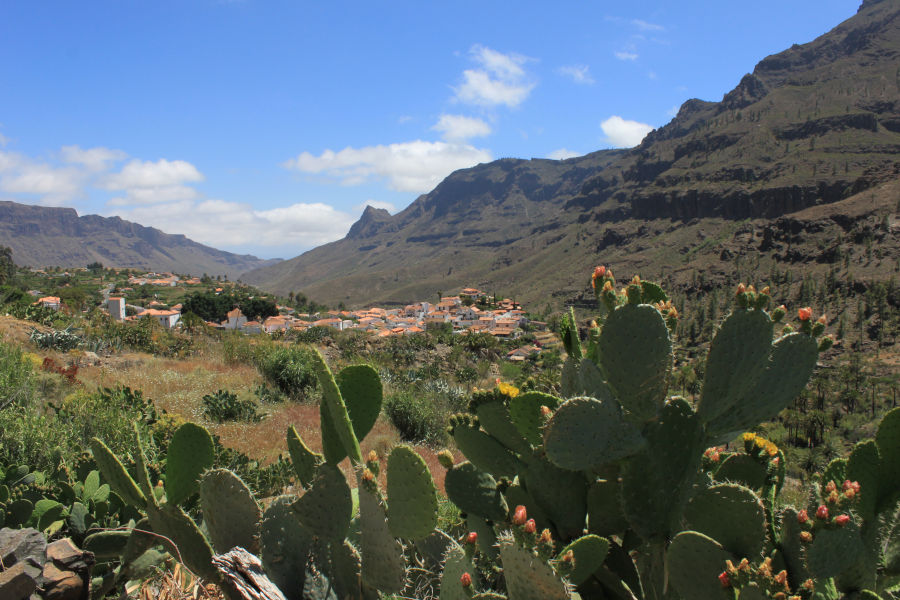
[
  {"x": 415, "y": 418},
  {"x": 226, "y": 406},
  {"x": 16, "y": 377},
  {"x": 289, "y": 370},
  {"x": 61, "y": 340}
]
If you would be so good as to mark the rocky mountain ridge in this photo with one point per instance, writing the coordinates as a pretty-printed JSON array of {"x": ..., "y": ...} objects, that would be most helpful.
[
  {"x": 41, "y": 236},
  {"x": 810, "y": 126}
]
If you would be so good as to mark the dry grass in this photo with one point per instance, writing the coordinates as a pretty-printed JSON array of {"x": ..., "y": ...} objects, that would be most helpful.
[
  {"x": 175, "y": 584},
  {"x": 178, "y": 386}
]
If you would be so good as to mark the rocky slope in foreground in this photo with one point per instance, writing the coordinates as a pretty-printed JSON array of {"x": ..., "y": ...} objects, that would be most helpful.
[
  {"x": 810, "y": 126},
  {"x": 42, "y": 236}
]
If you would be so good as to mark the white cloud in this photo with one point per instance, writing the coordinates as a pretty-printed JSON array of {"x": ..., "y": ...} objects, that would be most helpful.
[
  {"x": 457, "y": 128},
  {"x": 499, "y": 80},
  {"x": 220, "y": 223},
  {"x": 95, "y": 159},
  {"x": 645, "y": 26},
  {"x": 625, "y": 55},
  {"x": 20, "y": 174},
  {"x": 563, "y": 154},
  {"x": 415, "y": 166},
  {"x": 3, "y": 140},
  {"x": 148, "y": 174},
  {"x": 148, "y": 182},
  {"x": 577, "y": 73},
  {"x": 622, "y": 133}
]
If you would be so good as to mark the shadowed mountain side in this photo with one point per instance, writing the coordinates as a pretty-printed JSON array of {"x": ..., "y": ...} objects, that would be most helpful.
[{"x": 42, "y": 236}]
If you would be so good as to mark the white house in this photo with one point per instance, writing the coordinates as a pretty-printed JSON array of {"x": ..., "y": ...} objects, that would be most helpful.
[{"x": 116, "y": 308}]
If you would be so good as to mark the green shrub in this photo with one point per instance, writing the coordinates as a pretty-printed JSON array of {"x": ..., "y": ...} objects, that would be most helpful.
[
  {"x": 226, "y": 406},
  {"x": 415, "y": 417},
  {"x": 288, "y": 369}
]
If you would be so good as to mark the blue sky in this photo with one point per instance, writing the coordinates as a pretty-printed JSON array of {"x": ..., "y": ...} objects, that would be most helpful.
[{"x": 266, "y": 126}]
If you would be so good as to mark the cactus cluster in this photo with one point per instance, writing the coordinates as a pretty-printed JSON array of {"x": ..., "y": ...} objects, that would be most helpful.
[
  {"x": 618, "y": 459},
  {"x": 613, "y": 490}
]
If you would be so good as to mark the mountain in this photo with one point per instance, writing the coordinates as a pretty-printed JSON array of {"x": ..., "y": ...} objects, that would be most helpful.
[
  {"x": 41, "y": 236},
  {"x": 811, "y": 126}
]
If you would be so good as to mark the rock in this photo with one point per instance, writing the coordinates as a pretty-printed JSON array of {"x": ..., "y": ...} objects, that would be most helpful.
[
  {"x": 19, "y": 581},
  {"x": 18, "y": 544},
  {"x": 63, "y": 585}
]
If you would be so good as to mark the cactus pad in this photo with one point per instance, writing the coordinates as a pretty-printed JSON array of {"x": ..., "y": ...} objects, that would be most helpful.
[
  {"x": 742, "y": 469},
  {"x": 230, "y": 512},
  {"x": 585, "y": 433},
  {"x": 525, "y": 413},
  {"x": 455, "y": 564},
  {"x": 484, "y": 451},
  {"x": 604, "y": 508},
  {"x": 495, "y": 419},
  {"x": 383, "y": 565},
  {"x": 326, "y": 508},
  {"x": 694, "y": 562},
  {"x": 636, "y": 357},
  {"x": 888, "y": 440},
  {"x": 114, "y": 472},
  {"x": 106, "y": 545},
  {"x": 191, "y": 452},
  {"x": 527, "y": 576},
  {"x": 583, "y": 378},
  {"x": 487, "y": 539},
  {"x": 737, "y": 359},
  {"x": 338, "y": 439},
  {"x": 655, "y": 481},
  {"x": 560, "y": 493},
  {"x": 475, "y": 491},
  {"x": 412, "y": 496},
  {"x": 361, "y": 390},
  {"x": 305, "y": 461},
  {"x": 732, "y": 515},
  {"x": 864, "y": 466},
  {"x": 193, "y": 549},
  {"x": 590, "y": 552},
  {"x": 284, "y": 547},
  {"x": 790, "y": 366},
  {"x": 834, "y": 550}
]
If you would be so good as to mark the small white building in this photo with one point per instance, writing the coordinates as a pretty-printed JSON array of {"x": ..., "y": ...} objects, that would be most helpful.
[
  {"x": 166, "y": 318},
  {"x": 116, "y": 308}
]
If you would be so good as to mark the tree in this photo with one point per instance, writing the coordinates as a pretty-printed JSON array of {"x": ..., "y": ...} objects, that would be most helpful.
[{"x": 7, "y": 266}]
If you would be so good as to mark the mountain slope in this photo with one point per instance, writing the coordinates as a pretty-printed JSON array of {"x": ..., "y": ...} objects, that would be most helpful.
[
  {"x": 810, "y": 126},
  {"x": 59, "y": 237}
]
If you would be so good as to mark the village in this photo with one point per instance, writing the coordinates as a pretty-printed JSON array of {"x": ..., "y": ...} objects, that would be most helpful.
[{"x": 471, "y": 311}]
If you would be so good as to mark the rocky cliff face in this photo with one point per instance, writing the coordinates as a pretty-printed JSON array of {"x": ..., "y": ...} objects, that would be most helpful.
[
  {"x": 810, "y": 126},
  {"x": 58, "y": 236}
]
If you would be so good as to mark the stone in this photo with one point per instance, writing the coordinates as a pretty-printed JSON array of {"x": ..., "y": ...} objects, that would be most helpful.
[
  {"x": 19, "y": 581},
  {"x": 18, "y": 544},
  {"x": 62, "y": 585}
]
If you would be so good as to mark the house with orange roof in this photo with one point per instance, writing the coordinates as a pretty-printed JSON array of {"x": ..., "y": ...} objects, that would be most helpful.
[
  {"x": 51, "y": 302},
  {"x": 234, "y": 319},
  {"x": 276, "y": 323},
  {"x": 251, "y": 327}
]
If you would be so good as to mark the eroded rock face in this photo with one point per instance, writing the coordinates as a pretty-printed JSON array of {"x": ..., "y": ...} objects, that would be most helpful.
[{"x": 32, "y": 569}]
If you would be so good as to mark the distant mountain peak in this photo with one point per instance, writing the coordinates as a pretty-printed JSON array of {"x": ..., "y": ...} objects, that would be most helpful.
[{"x": 369, "y": 223}]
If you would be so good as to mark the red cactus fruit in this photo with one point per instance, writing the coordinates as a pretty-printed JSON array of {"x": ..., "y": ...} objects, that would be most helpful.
[
  {"x": 520, "y": 515},
  {"x": 466, "y": 580},
  {"x": 724, "y": 580},
  {"x": 530, "y": 526}
]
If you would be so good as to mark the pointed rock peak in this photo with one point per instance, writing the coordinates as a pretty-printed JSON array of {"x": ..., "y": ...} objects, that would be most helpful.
[{"x": 369, "y": 223}]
